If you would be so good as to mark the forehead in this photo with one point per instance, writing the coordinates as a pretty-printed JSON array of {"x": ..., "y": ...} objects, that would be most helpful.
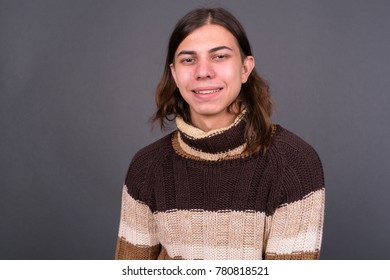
[{"x": 207, "y": 37}]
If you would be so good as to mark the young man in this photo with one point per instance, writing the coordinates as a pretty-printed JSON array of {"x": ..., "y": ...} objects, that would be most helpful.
[{"x": 227, "y": 184}]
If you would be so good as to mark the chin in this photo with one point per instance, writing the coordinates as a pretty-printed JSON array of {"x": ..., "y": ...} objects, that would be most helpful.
[{"x": 208, "y": 113}]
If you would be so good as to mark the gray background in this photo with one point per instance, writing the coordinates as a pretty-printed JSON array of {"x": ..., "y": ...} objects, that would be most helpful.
[{"x": 77, "y": 80}]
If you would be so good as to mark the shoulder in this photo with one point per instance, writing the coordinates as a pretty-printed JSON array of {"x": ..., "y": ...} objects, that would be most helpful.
[
  {"x": 154, "y": 150},
  {"x": 152, "y": 153},
  {"x": 143, "y": 165},
  {"x": 298, "y": 160},
  {"x": 146, "y": 158},
  {"x": 293, "y": 148}
]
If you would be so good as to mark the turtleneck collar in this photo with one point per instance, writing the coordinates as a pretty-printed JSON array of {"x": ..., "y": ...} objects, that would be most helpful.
[{"x": 223, "y": 143}]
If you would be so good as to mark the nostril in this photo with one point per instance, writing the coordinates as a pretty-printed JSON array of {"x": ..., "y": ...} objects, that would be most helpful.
[{"x": 203, "y": 77}]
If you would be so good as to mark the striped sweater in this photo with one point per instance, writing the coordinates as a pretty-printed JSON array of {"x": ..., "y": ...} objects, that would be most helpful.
[{"x": 197, "y": 195}]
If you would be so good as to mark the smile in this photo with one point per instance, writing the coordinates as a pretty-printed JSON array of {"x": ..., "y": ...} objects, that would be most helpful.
[{"x": 208, "y": 91}]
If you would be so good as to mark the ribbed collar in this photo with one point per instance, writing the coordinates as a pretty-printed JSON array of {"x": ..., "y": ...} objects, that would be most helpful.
[{"x": 213, "y": 145}]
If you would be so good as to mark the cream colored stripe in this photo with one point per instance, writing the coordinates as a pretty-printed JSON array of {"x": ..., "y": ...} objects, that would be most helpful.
[
  {"x": 208, "y": 156},
  {"x": 297, "y": 226},
  {"x": 197, "y": 133},
  {"x": 137, "y": 223},
  {"x": 199, "y": 234}
]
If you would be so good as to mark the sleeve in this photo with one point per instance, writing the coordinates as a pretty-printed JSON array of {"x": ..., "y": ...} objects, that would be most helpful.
[
  {"x": 295, "y": 227},
  {"x": 137, "y": 237}
]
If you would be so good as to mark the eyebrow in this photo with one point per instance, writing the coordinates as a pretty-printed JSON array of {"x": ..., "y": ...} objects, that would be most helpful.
[{"x": 187, "y": 52}]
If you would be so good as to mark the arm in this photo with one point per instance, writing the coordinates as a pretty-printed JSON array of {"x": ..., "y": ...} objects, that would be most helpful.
[
  {"x": 137, "y": 238},
  {"x": 295, "y": 227}
]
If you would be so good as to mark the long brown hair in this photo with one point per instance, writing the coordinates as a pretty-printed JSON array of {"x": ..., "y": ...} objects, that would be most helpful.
[{"x": 254, "y": 94}]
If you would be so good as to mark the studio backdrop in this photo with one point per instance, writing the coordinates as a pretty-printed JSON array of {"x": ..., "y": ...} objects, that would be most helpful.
[{"x": 77, "y": 82}]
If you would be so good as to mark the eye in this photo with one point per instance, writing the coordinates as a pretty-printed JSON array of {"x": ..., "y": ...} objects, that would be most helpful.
[
  {"x": 187, "y": 60},
  {"x": 220, "y": 57}
]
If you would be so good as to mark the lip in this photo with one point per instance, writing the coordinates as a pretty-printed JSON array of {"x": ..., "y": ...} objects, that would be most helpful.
[
  {"x": 206, "y": 93},
  {"x": 206, "y": 90}
]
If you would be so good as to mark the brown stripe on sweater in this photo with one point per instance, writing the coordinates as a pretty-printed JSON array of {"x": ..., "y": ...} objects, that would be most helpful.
[
  {"x": 212, "y": 187},
  {"x": 294, "y": 256},
  {"x": 188, "y": 152},
  {"x": 302, "y": 169},
  {"x": 127, "y": 251},
  {"x": 218, "y": 143}
]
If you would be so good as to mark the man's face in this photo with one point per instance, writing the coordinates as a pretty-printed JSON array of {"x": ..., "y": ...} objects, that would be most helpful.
[{"x": 209, "y": 71}]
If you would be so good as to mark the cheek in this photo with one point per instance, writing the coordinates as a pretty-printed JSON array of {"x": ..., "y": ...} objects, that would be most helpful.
[
  {"x": 232, "y": 76},
  {"x": 183, "y": 77}
]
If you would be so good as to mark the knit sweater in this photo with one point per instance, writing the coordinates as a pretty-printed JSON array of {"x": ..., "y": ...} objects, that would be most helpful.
[{"x": 198, "y": 195}]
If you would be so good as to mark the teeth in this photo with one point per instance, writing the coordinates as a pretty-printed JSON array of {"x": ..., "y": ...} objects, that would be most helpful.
[{"x": 206, "y": 91}]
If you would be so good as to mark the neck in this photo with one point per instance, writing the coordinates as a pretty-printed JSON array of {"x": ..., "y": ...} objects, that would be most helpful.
[{"x": 221, "y": 143}]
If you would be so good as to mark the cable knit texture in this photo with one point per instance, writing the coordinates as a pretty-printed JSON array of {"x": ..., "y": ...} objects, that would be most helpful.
[{"x": 197, "y": 195}]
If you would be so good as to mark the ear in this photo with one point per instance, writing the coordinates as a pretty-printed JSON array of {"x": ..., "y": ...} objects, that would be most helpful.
[
  {"x": 173, "y": 72},
  {"x": 247, "y": 67}
]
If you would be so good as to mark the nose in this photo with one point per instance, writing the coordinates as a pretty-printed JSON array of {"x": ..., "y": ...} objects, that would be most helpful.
[{"x": 204, "y": 70}]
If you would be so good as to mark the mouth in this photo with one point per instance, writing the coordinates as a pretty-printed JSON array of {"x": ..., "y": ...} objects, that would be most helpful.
[{"x": 207, "y": 91}]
